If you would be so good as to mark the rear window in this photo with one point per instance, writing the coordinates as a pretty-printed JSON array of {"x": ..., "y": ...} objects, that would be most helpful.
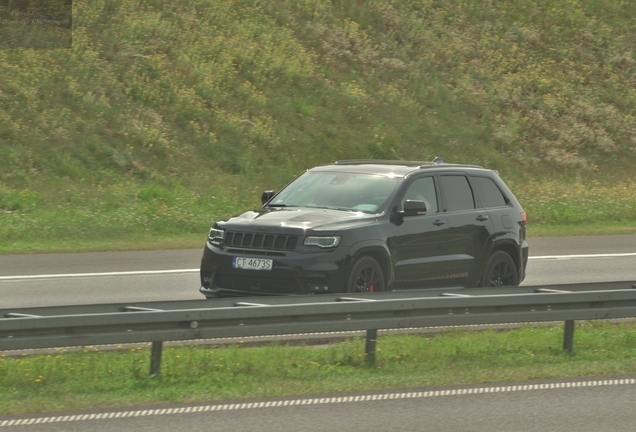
[
  {"x": 457, "y": 193},
  {"x": 489, "y": 193}
]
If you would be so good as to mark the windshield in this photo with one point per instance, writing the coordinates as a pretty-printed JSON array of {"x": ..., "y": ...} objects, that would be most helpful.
[{"x": 341, "y": 191}]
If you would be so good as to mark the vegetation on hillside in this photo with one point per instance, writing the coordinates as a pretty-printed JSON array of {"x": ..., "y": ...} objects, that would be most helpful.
[{"x": 166, "y": 115}]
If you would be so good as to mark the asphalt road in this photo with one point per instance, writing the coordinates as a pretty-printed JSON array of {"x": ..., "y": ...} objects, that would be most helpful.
[
  {"x": 589, "y": 405},
  {"x": 601, "y": 404},
  {"x": 108, "y": 277}
]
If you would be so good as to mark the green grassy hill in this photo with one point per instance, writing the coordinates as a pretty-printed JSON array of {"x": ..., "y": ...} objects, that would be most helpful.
[{"x": 166, "y": 115}]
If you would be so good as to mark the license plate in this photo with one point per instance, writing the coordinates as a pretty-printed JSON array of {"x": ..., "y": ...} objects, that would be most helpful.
[{"x": 252, "y": 263}]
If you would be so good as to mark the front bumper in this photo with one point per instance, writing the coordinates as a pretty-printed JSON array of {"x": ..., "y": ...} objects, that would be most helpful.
[{"x": 293, "y": 272}]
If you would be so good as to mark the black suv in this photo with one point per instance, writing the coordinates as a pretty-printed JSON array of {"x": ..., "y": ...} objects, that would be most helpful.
[{"x": 368, "y": 226}]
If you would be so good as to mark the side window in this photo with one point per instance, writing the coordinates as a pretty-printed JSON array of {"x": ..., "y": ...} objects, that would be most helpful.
[
  {"x": 422, "y": 189},
  {"x": 457, "y": 193},
  {"x": 489, "y": 194}
]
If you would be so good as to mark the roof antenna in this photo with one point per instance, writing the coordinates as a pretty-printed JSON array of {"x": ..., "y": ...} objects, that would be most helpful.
[{"x": 438, "y": 160}]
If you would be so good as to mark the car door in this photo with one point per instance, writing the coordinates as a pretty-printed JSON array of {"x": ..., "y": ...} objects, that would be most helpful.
[
  {"x": 419, "y": 245},
  {"x": 493, "y": 200},
  {"x": 469, "y": 228}
]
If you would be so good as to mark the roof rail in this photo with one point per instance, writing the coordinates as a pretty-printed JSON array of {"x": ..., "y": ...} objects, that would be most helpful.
[
  {"x": 379, "y": 162},
  {"x": 419, "y": 164}
]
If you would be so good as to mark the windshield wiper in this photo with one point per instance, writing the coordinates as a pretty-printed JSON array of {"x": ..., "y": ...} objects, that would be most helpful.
[
  {"x": 312, "y": 207},
  {"x": 280, "y": 205},
  {"x": 333, "y": 208}
]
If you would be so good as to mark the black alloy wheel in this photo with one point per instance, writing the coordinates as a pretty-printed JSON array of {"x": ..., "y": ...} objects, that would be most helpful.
[
  {"x": 500, "y": 271},
  {"x": 366, "y": 276}
]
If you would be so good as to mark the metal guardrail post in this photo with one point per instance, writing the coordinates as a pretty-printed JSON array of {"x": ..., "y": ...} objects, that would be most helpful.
[
  {"x": 155, "y": 358},
  {"x": 372, "y": 336},
  {"x": 568, "y": 336}
]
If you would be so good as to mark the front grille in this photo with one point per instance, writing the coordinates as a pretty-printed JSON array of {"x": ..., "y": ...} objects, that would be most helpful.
[{"x": 260, "y": 241}]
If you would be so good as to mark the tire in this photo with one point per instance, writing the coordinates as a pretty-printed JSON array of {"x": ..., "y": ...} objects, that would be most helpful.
[
  {"x": 366, "y": 276},
  {"x": 500, "y": 271}
]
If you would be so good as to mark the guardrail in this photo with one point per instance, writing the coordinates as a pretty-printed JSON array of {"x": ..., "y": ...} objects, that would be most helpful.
[{"x": 158, "y": 322}]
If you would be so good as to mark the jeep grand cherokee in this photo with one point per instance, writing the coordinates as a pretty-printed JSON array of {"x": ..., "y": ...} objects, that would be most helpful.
[{"x": 368, "y": 226}]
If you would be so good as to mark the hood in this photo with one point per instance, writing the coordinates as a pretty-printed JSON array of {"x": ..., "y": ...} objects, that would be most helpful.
[{"x": 279, "y": 220}]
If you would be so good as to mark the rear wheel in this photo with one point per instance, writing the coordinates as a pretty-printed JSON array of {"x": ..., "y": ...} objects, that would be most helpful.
[
  {"x": 500, "y": 271},
  {"x": 366, "y": 276}
]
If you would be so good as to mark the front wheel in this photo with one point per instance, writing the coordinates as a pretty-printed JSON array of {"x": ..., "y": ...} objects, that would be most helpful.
[
  {"x": 500, "y": 271},
  {"x": 366, "y": 276}
]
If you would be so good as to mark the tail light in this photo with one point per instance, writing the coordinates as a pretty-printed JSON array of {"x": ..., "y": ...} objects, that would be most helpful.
[{"x": 524, "y": 218}]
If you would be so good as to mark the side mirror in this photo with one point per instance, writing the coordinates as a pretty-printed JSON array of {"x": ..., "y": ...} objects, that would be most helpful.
[
  {"x": 413, "y": 208},
  {"x": 267, "y": 195}
]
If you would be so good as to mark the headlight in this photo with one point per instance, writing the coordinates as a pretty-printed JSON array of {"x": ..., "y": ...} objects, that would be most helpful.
[
  {"x": 322, "y": 241},
  {"x": 216, "y": 236}
]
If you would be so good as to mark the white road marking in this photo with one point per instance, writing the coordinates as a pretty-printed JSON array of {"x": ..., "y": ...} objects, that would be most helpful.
[
  {"x": 588, "y": 256},
  {"x": 72, "y": 275},
  {"x": 320, "y": 401},
  {"x": 160, "y": 272}
]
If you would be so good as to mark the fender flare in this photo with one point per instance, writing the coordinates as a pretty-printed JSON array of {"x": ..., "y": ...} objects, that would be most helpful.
[
  {"x": 507, "y": 244},
  {"x": 378, "y": 250}
]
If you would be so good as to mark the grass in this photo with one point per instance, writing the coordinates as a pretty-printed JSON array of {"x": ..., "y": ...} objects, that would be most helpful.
[
  {"x": 129, "y": 216},
  {"x": 581, "y": 230},
  {"x": 93, "y": 378},
  {"x": 165, "y": 116}
]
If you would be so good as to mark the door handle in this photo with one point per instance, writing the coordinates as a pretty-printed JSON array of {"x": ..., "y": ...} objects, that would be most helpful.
[
  {"x": 439, "y": 222},
  {"x": 482, "y": 218}
]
